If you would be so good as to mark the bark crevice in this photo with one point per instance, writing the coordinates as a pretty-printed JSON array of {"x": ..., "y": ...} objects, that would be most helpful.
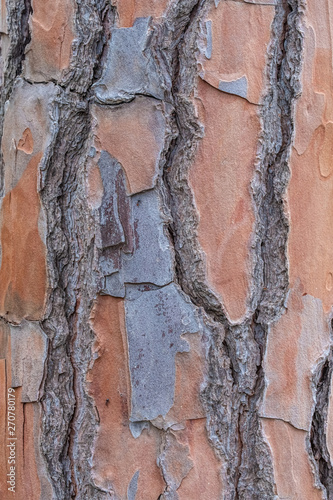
[
  {"x": 235, "y": 352},
  {"x": 318, "y": 433},
  {"x": 68, "y": 410}
]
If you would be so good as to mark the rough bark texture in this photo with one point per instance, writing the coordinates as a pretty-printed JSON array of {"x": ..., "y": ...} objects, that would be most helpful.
[{"x": 166, "y": 269}]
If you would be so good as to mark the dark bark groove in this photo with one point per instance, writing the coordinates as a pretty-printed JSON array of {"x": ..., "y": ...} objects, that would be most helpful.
[
  {"x": 68, "y": 411},
  {"x": 235, "y": 352},
  {"x": 318, "y": 434}
]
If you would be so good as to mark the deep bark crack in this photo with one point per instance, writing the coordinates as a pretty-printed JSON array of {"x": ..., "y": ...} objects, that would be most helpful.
[
  {"x": 67, "y": 408},
  {"x": 234, "y": 388},
  {"x": 318, "y": 433}
]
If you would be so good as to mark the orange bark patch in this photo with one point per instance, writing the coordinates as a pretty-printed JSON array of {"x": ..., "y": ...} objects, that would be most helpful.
[
  {"x": 311, "y": 185},
  {"x": 23, "y": 266},
  {"x": 292, "y": 470},
  {"x": 133, "y": 133},
  {"x": 189, "y": 376},
  {"x": 129, "y": 10},
  {"x": 51, "y": 39},
  {"x": 240, "y": 34},
  {"x": 117, "y": 455},
  {"x": 234, "y": 60},
  {"x": 311, "y": 210},
  {"x": 204, "y": 479},
  {"x": 31, "y": 479},
  {"x": 95, "y": 190},
  {"x": 28, "y": 483},
  {"x": 326, "y": 151},
  {"x": 26, "y": 143},
  {"x": 294, "y": 347},
  {"x": 220, "y": 178}
]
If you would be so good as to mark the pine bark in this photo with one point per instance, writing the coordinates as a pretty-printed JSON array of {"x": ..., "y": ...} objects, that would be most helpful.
[{"x": 166, "y": 264}]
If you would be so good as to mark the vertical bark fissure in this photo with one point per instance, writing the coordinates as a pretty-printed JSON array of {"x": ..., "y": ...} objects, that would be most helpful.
[
  {"x": 167, "y": 42},
  {"x": 58, "y": 395},
  {"x": 272, "y": 175},
  {"x": 68, "y": 411},
  {"x": 235, "y": 353},
  {"x": 318, "y": 432},
  {"x": 68, "y": 262}
]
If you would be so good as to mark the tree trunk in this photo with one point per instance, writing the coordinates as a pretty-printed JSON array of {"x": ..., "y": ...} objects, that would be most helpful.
[{"x": 166, "y": 279}]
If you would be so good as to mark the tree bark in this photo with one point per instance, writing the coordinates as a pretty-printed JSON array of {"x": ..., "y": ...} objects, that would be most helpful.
[{"x": 166, "y": 269}]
